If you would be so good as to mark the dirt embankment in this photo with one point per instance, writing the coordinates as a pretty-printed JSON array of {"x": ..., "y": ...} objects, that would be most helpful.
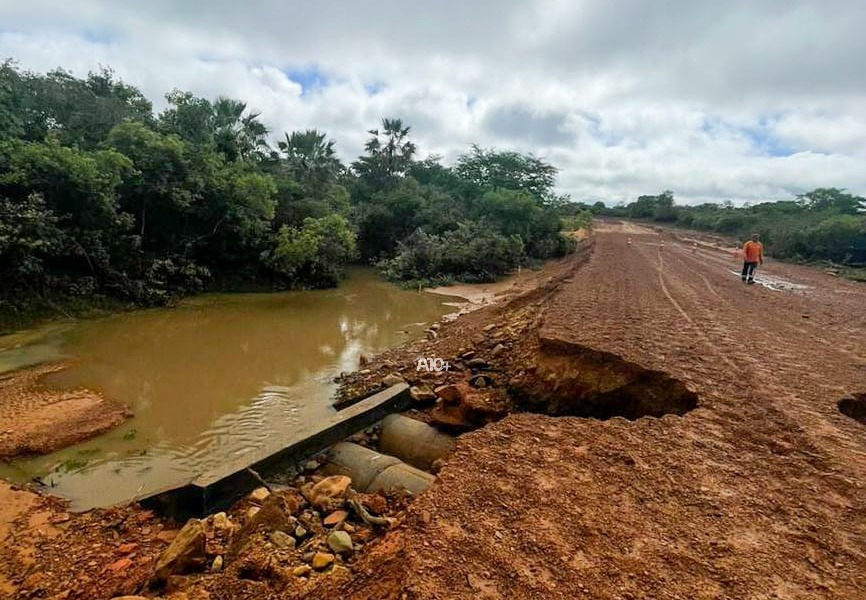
[{"x": 36, "y": 420}]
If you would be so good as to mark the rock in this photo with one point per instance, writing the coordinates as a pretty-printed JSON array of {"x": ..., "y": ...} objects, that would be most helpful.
[
  {"x": 432, "y": 334},
  {"x": 481, "y": 381},
  {"x": 451, "y": 393},
  {"x": 310, "y": 465},
  {"x": 167, "y": 535},
  {"x": 120, "y": 565},
  {"x": 340, "y": 542},
  {"x": 392, "y": 379},
  {"x": 422, "y": 394},
  {"x": 340, "y": 571},
  {"x": 259, "y": 494},
  {"x": 476, "y": 363},
  {"x": 217, "y": 565},
  {"x": 300, "y": 532},
  {"x": 363, "y": 360},
  {"x": 281, "y": 539},
  {"x": 497, "y": 350},
  {"x": 130, "y": 598},
  {"x": 348, "y": 528},
  {"x": 321, "y": 560},
  {"x": 301, "y": 571},
  {"x": 489, "y": 328},
  {"x": 335, "y": 518},
  {"x": 467, "y": 355},
  {"x": 185, "y": 553},
  {"x": 221, "y": 522},
  {"x": 251, "y": 511},
  {"x": 435, "y": 326},
  {"x": 328, "y": 493},
  {"x": 127, "y": 548}
]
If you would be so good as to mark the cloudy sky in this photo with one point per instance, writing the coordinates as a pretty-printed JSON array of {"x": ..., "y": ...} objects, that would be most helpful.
[{"x": 746, "y": 100}]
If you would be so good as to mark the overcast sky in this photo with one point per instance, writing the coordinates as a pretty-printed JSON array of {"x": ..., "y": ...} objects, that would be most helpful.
[{"x": 746, "y": 100}]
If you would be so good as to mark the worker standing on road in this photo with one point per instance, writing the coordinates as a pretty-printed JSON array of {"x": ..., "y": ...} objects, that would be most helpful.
[{"x": 753, "y": 255}]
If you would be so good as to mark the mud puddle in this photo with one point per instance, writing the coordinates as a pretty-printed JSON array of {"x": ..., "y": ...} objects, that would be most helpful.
[{"x": 776, "y": 284}]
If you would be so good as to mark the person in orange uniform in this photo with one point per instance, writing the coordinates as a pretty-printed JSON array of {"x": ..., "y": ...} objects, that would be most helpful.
[{"x": 753, "y": 255}]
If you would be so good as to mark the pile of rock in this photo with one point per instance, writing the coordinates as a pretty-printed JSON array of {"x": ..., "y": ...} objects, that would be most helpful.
[{"x": 282, "y": 536}]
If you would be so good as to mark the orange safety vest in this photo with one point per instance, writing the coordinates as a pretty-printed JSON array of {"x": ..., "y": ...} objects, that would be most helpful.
[{"x": 753, "y": 251}]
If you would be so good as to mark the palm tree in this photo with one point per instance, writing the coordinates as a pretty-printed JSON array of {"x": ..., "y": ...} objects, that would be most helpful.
[
  {"x": 238, "y": 136},
  {"x": 389, "y": 153},
  {"x": 311, "y": 159}
]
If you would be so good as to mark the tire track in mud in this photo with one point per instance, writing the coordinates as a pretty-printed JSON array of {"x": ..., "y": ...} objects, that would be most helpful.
[
  {"x": 781, "y": 384},
  {"x": 706, "y": 339}
]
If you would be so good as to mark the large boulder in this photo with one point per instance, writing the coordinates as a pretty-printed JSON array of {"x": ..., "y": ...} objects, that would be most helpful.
[{"x": 185, "y": 554}]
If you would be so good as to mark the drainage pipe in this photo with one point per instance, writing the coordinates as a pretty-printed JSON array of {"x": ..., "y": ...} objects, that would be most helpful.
[
  {"x": 414, "y": 442},
  {"x": 371, "y": 471}
]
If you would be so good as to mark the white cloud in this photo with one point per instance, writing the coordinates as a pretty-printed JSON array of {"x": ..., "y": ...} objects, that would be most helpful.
[{"x": 744, "y": 100}]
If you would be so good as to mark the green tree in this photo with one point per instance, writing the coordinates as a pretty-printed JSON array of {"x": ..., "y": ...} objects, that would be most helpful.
[
  {"x": 389, "y": 154},
  {"x": 314, "y": 254},
  {"x": 508, "y": 171},
  {"x": 833, "y": 199}
]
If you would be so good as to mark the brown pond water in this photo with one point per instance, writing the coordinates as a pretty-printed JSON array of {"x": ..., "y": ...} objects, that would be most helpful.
[{"x": 210, "y": 380}]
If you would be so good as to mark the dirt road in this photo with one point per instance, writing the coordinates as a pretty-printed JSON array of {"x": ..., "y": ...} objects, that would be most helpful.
[{"x": 757, "y": 493}]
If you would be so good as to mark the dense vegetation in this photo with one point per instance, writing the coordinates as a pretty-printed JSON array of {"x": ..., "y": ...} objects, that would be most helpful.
[
  {"x": 826, "y": 224},
  {"x": 102, "y": 198}
]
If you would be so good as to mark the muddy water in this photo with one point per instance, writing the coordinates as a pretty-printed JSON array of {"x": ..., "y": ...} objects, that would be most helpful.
[{"x": 213, "y": 379}]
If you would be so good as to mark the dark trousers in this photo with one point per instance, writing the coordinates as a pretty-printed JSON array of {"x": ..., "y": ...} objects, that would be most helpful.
[{"x": 749, "y": 270}]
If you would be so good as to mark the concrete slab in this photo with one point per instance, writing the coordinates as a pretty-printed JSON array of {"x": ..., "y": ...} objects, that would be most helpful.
[{"x": 218, "y": 488}]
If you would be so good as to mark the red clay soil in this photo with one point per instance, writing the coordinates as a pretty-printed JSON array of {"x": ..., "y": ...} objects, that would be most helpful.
[
  {"x": 35, "y": 420},
  {"x": 757, "y": 493}
]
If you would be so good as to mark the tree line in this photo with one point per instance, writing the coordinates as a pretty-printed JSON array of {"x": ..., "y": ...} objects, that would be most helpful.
[
  {"x": 825, "y": 224},
  {"x": 102, "y": 198}
]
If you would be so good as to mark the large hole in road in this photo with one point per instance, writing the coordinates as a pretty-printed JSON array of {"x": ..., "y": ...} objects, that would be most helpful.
[
  {"x": 853, "y": 406},
  {"x": 574, "y": 380}
]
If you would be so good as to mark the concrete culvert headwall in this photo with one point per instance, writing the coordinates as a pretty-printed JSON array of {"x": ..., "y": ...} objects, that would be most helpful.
[{"x": 574, "y": 380}]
